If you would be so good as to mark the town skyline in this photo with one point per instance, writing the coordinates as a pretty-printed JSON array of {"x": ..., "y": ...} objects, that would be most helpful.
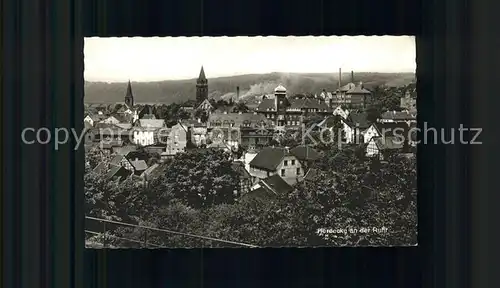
[{"x": 118, "y": 60}]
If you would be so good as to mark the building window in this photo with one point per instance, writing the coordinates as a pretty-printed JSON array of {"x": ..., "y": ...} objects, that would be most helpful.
[
  {"x": 293, "y": 162},
  {"x": 282, "y": 172},
  {"x": 286, "y": 162},
  {"x": 298, "y": 171}
]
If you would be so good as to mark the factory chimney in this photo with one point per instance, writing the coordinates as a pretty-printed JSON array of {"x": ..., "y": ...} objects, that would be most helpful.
[
  {"x": 237, "y": 93},
  {"x": 352, "y": 76},
  {"x": 340, "y": 77}
]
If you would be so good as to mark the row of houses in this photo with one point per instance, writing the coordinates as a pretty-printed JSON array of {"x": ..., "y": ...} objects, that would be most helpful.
[{"x": 262, "y": 169}]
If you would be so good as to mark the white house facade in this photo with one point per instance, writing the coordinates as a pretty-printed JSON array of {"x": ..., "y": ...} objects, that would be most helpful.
[
  {"x": 89, "y": 120},
  {"x": 143, "y": 137},
  {"x": 369, "y": 133},
  {"x": 372, "y": 148},
  {"x": 110, "y": 120},
  {"x": 341, "y": 112}
]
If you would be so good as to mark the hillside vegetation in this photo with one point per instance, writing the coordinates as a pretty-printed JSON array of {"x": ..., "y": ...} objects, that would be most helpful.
[{"x": 178, "y": 91}]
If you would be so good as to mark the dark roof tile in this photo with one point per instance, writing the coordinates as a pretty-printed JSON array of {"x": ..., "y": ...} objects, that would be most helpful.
[
  {"x": 266, "y": 105},
  {"x": 269, "y": 158},
  {"x": 305, "y": 153},
  {"x": 276, "y": 184}
]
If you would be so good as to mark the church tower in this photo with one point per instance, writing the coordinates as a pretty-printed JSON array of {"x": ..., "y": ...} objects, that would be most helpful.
[
  {"x": 281, "y": 103},
  {"x": 201, "y": 87},
  {"x": 129, "y": 97}
]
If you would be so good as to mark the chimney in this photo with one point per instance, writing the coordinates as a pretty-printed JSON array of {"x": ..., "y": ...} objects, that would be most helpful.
[
  {"x": 352, "y": 76},
  {"x": 237, "y": 93},
  {"x": 287, "y": 149},
  {"x": 340, "y": 77}
]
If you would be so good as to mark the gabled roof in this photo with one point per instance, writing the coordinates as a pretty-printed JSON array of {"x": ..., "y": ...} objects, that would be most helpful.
[
  {"x": 148, "y": 172},
  {"x": 305, "y": 153},
  {"x": 139, "y": 165},
  {"x": 126, "y": 149},
  {"x": 117, "y": 159},
  {"x": 276, "y": 185},
  {"x": 204, "y": 102},
  {"x": 269, "y": 158},
  {"x": 239, "y": 167},
  {"x": 122, "y": 109},
  {"x": 266, "y": 105},
  {"x": 117, "y": 171},
  {"x": 346, "y": 87},
  {"x": 358, "y": 89},
  {"x": 119, "y": 117},
  {"x": 132, "y": 155},
  {"x": 311, "y": 174},
  {"x": 124, "y": 125}
]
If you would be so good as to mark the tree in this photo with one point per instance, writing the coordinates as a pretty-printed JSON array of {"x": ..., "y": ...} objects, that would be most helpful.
[
  {"x": 199, "y": 178},
  {"x": 360, "y": 197},
  {"x": 290, "y": 139},
  {"x": 173, "y": 114},
  {"x": 386, "y": 98},
  {"x": 93, "y": 157},
  {"x": 202, "y": 115},
  {"x": 374, "y": 111}
]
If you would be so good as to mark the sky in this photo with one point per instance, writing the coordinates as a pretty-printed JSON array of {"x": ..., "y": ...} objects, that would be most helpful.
[{"x": 140, "y": 59}]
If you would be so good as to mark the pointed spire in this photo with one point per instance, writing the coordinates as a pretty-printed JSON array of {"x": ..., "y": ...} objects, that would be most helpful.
[
  {"x": 129, "y": 89},
  {"x": 202, "y": 74},
  {"x": 129, "y": 97}
]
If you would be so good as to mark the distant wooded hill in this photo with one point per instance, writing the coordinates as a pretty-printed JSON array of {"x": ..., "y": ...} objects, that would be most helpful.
[{"x": 252, "y": 85}]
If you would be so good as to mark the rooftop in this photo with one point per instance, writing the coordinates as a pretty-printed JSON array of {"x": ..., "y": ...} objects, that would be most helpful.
[
  {"x": 280, "y": 88},
  {"x": 269, "y": 158}
]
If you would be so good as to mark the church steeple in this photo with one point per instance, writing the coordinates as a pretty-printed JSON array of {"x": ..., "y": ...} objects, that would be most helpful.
[
  {"x": 201, "y": 87},
  {"x": 202, "y": 77},
  {"x": 129, "y": 97}
]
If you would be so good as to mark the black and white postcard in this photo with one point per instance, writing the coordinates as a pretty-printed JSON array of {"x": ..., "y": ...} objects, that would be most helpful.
[{"x": 207, "y": 142}]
